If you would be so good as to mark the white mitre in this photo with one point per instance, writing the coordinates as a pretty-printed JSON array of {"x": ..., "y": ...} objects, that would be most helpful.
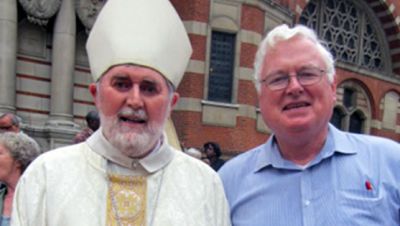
[{"x": 143, "y": 32}]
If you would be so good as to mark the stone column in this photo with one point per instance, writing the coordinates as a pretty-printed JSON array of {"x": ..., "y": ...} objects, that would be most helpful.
[
  {"x": 8, "y": 54},
  {"x": 63, "y": 62},
  {"x": 60, "y": 125}
]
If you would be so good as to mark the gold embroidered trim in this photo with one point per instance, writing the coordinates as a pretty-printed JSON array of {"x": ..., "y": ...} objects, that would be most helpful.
[{"x": 126, "y": 200}]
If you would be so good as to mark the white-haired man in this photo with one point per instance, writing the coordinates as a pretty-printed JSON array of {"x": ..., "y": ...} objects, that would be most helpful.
[
  {"x": 309, "y": 172},
  {"x": 126, "y": 173}
]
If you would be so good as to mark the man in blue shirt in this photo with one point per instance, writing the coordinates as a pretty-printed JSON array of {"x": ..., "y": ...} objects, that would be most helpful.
[{"x": 309, "y": 173}]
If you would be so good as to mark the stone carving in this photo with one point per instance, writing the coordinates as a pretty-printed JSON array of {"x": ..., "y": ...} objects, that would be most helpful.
[
  {"x": 347, "y": 28},
  {"x": 87, "y": 11},
  {"x": 40, "y": 11}
]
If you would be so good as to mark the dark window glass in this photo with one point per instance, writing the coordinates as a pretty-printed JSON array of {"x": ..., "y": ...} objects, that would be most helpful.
[
  {"x": 337, "y": 118},
  {"x": 356, "y": 123},
  {"x": 349, "y": 98},
  {"x": 221, "y": 67}
]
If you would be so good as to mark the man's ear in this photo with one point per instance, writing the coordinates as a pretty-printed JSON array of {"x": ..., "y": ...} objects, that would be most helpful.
[
  {"x": 93, "y": 92},
  {"x": 174, "y": 100}
]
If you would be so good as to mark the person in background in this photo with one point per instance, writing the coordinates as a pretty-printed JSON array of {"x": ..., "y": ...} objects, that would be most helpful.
[
  {"x": 9, "y": 123},
  {"x": 17, "y": 151},
  {"x": 126, "y": 173},
  {"x": 213, "y": 153},
  {"x": 93, "y": 120},
  {"x": 93, "y": 123},
  {"x": 309, "y": 172},
  {"x": 204, "y": 158}
]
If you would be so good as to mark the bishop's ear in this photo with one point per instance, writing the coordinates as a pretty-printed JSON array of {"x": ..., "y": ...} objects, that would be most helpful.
[{"x": 93, "y": 91}]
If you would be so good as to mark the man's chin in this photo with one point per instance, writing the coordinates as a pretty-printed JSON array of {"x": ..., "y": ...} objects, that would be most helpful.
[
  {"x": 132, "y": 127},
  {"x": 134, "y": 144}
]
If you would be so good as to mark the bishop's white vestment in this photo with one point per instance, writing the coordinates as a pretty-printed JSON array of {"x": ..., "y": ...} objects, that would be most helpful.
[{"x": 70, "y": 186}]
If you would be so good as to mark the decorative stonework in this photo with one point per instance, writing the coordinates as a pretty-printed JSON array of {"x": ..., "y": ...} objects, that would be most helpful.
[
  {"x": 87, "y": 11},
  {"x": 40, "y": 11},
  {"x": 32, "y": 41},
  {"x": 348, "y": 31}
]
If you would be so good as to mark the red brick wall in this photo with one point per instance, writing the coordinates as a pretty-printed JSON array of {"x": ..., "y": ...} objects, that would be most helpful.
[
  {"x": 247, "y": 94},
  {"x": 197, "y": 10},
  {"x": 252, "y": 19},
  {"x": 199, "y": 43},
  {"x": 247, "y": 54},
  {"x": 191, "y": 85}
]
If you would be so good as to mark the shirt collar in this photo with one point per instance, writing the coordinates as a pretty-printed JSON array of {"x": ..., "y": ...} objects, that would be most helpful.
[
  {"x": 341, "y": 141},
  {"x": 268, "y": 154},
  {"x": 159, "y": 157}
]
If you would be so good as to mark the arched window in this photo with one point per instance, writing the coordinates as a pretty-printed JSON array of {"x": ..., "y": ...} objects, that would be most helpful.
[
  {"x": 350, "y": 31},
  {"x": 353, "y": 108}
]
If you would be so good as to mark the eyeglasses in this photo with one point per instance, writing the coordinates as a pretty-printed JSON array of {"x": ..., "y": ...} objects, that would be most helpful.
[{"x": 306, "y": 76}]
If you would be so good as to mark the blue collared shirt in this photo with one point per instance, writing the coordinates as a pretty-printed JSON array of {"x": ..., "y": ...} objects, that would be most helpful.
[{"x": 354, "y": 180}]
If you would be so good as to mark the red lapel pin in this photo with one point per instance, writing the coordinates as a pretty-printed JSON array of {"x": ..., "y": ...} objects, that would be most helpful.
[{"x": 368, "y": 185}]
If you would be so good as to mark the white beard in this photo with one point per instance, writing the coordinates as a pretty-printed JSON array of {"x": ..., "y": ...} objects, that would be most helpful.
[{"x": 132, "y": 142}]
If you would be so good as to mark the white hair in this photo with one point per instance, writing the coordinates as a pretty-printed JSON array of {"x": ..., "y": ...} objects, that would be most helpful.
[
  {"x": 283, "y": 33},
  {"x": 193, "y": 152},
  {"x": 22, "y": 147}
]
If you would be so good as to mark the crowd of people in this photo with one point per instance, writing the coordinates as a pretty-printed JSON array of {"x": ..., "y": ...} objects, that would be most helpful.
[{"x": 122, "y": 171}]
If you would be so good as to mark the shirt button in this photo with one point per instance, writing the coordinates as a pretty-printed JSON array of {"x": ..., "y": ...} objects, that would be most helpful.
[
  {"x": 307, "y": 202},
  {"x": 134, "y": 165}
]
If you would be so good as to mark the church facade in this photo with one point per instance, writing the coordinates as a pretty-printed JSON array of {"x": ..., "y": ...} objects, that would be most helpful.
[{"x": 44, "y": 72}]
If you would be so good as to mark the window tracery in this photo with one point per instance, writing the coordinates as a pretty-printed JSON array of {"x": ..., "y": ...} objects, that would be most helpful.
[{"x": 347, "y": 31}]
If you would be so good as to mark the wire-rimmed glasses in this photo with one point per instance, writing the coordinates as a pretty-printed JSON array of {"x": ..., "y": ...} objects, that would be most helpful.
[{"x": 305, "y": 76}]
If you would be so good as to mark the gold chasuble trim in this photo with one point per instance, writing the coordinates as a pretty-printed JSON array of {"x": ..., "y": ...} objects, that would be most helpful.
[{"x": 126, "y": 200}]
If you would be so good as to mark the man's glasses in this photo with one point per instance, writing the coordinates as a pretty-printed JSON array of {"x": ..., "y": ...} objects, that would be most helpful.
[{"x": 305, "y": 76}]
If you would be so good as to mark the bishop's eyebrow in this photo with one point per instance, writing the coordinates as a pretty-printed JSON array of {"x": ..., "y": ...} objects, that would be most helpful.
[{"x": 120, "y": 75}]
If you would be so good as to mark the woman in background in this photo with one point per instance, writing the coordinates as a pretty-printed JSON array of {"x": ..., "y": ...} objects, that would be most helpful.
[
  {"x": 213, "y": 152},
  {"x": 17, "y": 151}
]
